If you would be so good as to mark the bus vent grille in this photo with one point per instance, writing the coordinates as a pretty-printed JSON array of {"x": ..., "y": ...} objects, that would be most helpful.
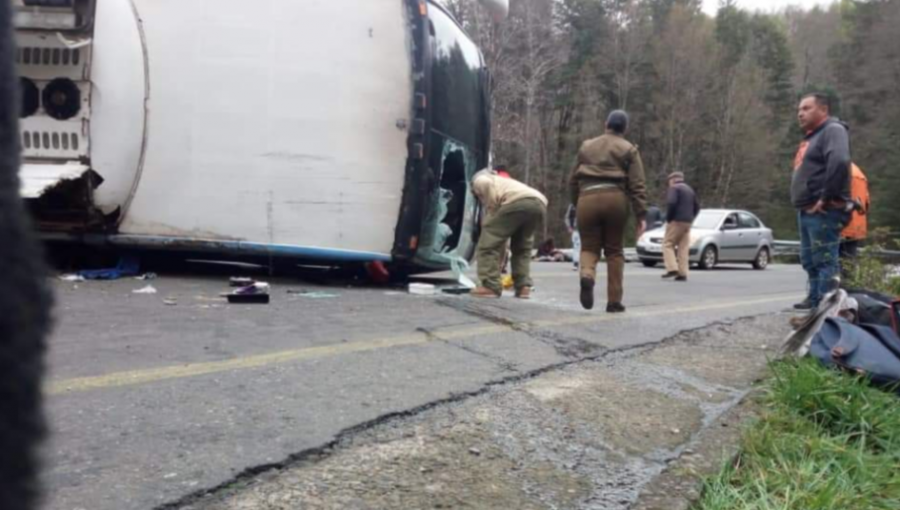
[
  {"x": 48, "y": 56},
  {"x": 50, "y": 141}
]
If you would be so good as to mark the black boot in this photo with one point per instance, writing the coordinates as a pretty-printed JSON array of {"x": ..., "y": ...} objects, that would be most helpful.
[
  {"x": 587, "y": 293},
  {"x": 615, "y": 308},
  {"x": 806, "y": 304}
]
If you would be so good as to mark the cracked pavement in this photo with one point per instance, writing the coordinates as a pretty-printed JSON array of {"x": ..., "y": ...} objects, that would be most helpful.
[{"x": 153, "y": 403}]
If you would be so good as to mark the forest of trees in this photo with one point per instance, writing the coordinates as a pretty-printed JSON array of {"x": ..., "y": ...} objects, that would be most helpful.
[{"x": 714, "y": 97}]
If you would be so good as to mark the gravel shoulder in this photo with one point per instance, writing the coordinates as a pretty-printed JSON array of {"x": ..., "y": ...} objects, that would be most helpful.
[{"x": 634, "y": 429}]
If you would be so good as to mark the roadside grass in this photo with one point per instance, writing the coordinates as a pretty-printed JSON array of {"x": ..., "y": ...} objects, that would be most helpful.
[{"x": 825, "y": 441}]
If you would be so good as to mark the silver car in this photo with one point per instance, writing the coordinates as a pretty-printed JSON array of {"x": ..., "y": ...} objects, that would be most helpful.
[{"x": 718, "y": 236}]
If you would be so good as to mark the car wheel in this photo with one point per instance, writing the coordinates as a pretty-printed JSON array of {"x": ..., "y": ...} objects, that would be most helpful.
[
  {"x": 649, "y": 263},
  {"x": 762, "y": 259},
  {"x": 709, "y": 258}
]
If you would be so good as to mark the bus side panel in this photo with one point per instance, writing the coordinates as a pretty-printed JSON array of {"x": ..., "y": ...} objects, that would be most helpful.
[
  {"x": 275, "y": 121},
  {"x": 117, "y": 109}
]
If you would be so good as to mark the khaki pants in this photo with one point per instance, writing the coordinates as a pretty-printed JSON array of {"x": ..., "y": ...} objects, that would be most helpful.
[
  {"x": 602, "y": 216},
  {"x": 516, "y": 223},
  {"x": 678, "y": 234}
]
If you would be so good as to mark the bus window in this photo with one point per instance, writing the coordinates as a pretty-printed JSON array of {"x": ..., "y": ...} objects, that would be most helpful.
[
  {"x": 458, "y": 99},
  {"x": 458, "y": 143},
  {"x": 453, "y": 179},
  {"x": 448, "y": 229}
]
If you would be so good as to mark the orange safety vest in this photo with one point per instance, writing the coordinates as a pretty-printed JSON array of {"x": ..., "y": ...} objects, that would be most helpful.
[{"x": 858, "y": 228}]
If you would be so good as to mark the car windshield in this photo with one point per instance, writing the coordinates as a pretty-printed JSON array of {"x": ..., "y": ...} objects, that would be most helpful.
[{"x": 708, "y": 220}]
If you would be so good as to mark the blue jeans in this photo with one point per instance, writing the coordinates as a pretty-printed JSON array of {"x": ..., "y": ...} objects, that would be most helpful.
[{"x": 820, "y": 240}]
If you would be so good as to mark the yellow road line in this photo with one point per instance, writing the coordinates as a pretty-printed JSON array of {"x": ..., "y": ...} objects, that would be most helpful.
[
  {"x": 145, "y": 376},
  {"x": 636, "y": 314},
  {"x": 600, "y": 276}
]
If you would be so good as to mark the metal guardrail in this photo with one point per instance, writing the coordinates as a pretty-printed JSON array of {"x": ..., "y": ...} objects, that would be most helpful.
[
  {"x": 630, "y": 254},
  {"x": 792, "y": 248},
  {"x": 782, "y": 249},
  {"x": 787, "y": 248}
]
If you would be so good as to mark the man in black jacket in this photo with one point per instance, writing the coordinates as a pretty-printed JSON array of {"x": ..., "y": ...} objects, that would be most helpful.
[
  {"x": 683, "y": 208},
  {"x": 820, "y": 191}
]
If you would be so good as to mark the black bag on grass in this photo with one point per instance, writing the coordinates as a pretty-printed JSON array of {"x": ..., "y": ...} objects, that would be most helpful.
[
  {"x": 873, "y": 351},
  {"x": 876, "y": 308}
]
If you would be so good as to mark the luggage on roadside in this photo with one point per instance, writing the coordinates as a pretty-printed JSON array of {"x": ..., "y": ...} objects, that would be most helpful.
[
  {"x": 877, "y": 309},
  {"x": 798, "y": 341},
  {"x": 895, "y": 307},
  {"x": 870, "y": 350}
]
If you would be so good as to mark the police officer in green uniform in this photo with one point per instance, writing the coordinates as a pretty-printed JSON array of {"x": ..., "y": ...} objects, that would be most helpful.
[{"x": 608, "y": 175}]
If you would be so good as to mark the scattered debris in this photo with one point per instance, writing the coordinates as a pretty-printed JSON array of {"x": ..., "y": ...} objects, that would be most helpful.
[
  {"x": 256, "y": 293},
  {"x": 149, "y": 289},
  {"x": 457, "y": 291},
  {"x": 459, "y": 267},
  {"x": 71, "y": 278},
  {"x": 249, "y": 299},
  {"x": 313, "y": 294},
  {"x": 240, "y": 281},
  {"x": 129, "y": 265},
  {"x": 210, "y": 299},
  {"x": 170, "y": 302},
  {"x": 255, "y": 288},
  {"x": 146, "y": 276},
  {"x": 422, "y": 289}
]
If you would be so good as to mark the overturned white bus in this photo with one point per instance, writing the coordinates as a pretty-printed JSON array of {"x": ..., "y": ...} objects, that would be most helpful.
[{"x": 338, "y": 131}]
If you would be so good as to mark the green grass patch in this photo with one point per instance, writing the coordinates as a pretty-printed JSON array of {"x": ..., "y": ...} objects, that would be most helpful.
[{"x": 825, "y": 441}]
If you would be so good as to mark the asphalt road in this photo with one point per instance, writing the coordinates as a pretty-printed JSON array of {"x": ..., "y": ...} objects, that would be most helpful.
[{"x": 153, "y": 397}]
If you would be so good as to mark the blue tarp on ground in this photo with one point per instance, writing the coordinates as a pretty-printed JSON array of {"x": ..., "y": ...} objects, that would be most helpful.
[{"x": 129, "y": 265}]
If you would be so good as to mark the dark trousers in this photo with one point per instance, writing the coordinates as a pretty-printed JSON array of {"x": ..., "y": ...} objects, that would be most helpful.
[{"x": 602, "y": 216}]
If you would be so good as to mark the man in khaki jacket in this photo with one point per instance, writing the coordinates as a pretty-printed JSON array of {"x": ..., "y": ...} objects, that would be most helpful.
[
  {"x": 513, "y": 212},
  {"x": 609, "y": 174}
]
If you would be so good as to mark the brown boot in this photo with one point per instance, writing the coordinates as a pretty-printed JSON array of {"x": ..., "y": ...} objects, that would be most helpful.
[
  {"x": 524, "y": 293},
  {"x": 587, "y": 293},
  {"x": 484, "y": 292}
]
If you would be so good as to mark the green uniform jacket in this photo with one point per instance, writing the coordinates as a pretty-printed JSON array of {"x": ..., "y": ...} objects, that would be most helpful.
[{"x": 611, "y": 159}]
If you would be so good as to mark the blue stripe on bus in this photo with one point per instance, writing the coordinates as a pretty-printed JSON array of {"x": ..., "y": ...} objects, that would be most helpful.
[{"x": 247, "y": 248}]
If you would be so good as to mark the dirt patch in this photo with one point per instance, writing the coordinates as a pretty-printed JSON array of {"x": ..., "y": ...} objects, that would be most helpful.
[
  {"x": 680, "y": 486},
  {"x": 627, "y": 417},
  {"x": 456, "y": 468},
  {"x": 589, "y": 436},
  {"x": 733, "y": 355}
]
